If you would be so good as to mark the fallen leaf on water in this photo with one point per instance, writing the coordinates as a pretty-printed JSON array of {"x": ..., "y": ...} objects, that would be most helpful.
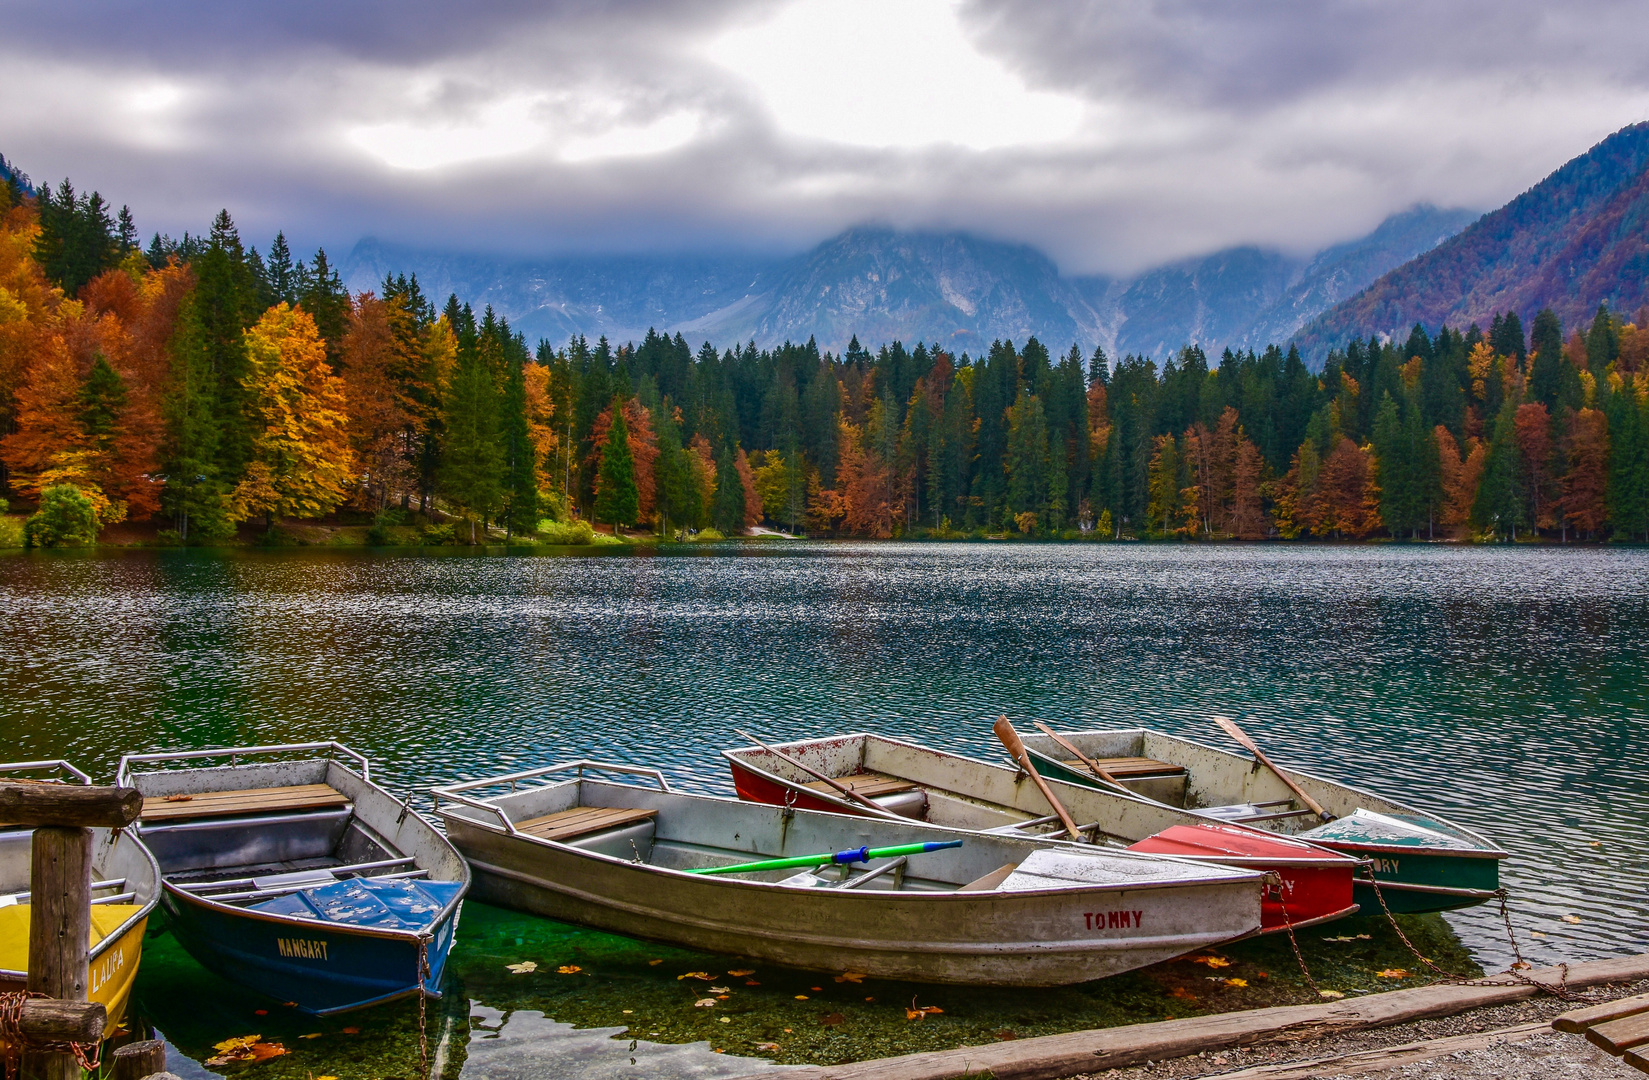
[
  {"x": 568, "y": 969},
  {"x": 311, "y": 1035},
  {"x": 706, "y": 976},
  {"x": 1349, "y": 937},
  {"x": 627, "y": 1012},
  {"x": 742, "y": 972},
  {"x": 244, "y": 1048},
  {"x": 851, "y": 977},
  {"x": 727, "y": 1019},
  {"x": 1211, "y": 961},
  {"x": 326, "y": 1078},
  {"x": 1571, "y": 918},
  {"x": 787, "y": 1031},
  {"x": 351, "y": 1031},
  {"x": 1007, "y": 1036},
  {"x": 870, "y": 999},
  {"x": 833, "y": 1020},
  {"x": 1330, "y": 994},
  {"x": 767, "y": 1046},
  {"x": 817, "y": 989},
  {"x": 723, "y": 997},
  {"x": 705, "y": 1003},
  {"x": 1595, "y": 843},
  {"x": 921, "y": 1012},
  {"x": 1236, "y": 982},
  {"x": 1536, "y": 933},
  {"x": 1182, "y": 993},
  {"x": 522, "y": 968},
  {"x": 654, "y": 963},
  {"x": 801, "y": 997},
  {"x": 1521, "y": 965},
  {"x": 720, "y": 990},
  {"x": 260, "y": 1012},
  {"x": 1392, "y": 973},
  {"x": 751, "y": 982}
]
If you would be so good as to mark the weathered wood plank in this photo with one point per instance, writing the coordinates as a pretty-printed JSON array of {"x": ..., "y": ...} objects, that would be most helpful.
[
  {"x": 583, "y": 820},
  {"x": 46, "y": 1020},
  {"x": 1638, "y": 1061},
  {"x": 249, "y": 801},
  {"x": 1131, "y": 767},
  {"x": 1387, "y": 1056},
  {"x": 1618, "y": 1036},
  {"x": 139, "y": 1059},
  {"x": 60, "y": 931},
  {"x": 1576, "y": 1022},
  {"x": 1049, "y": 1057},
  {"x": 866, "y": 784},
  {"x": 68, "y": 805}
]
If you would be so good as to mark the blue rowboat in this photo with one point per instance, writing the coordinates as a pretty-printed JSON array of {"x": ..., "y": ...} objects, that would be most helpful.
[{"x": 298, "y": 877}]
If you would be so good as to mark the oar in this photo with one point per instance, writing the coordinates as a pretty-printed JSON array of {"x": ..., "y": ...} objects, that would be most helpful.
[
  {"x": 831, "y": 858},
  {"x": 1230, "y": 728},
  {"x": 1093, "y": 766},
  {"x": 1016, "y": 750},
  {"x": 881, "y": 811}
]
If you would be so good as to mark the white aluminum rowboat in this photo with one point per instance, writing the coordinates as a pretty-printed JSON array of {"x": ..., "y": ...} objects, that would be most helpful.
[{"x": 994, "y": 911}]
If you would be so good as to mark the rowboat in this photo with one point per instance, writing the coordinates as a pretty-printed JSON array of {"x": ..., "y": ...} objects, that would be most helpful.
[
  {"x": 1419, "y": 861},
  {"x": 299, "y": 878},
  {"x": 911, "y": 782},
  {"x": 637, "y": 858},
  {"x": 125, "y": 886}
]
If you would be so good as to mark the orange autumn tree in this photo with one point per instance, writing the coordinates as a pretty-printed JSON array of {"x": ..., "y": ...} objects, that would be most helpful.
[
  {"x": 1586, "y": 483},
  {"x": 1460, "y": 476},
  {"x": 301, "y": 462},
  {"x": 1350, "y": 491},
  {"x": 374, "y": 357},
  {"x": 643, "y": 443}
]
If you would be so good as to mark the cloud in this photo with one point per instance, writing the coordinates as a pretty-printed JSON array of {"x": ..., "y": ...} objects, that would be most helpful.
[{"x": 1114, "y": 136}]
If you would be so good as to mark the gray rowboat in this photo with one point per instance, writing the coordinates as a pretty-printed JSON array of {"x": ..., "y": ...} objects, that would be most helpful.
[{"x": 995, "y": 911}]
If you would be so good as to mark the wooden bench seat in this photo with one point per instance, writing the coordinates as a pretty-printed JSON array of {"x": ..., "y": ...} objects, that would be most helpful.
[
  {"x": 247, "y": 801},
  {"x": 1620, "y": 1027},
  {"x": 582, "y": 820},
  {"x": 868, "y": 784},
  {"x": 1129, "y": 768}
]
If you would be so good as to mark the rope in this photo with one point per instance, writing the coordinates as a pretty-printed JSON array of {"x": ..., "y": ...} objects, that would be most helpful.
[{"x": 15, "y": 1041}]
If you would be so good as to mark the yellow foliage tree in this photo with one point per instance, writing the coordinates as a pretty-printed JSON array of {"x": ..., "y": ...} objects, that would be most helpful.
[{"x": 301, "y": 461}]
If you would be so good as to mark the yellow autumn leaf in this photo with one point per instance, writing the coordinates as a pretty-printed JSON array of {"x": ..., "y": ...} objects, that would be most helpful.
[
  {"x": 236, "y": 1043},
  {"x": 523, "y": 968},
  {"x": 1236, "y": 982},
  {"x": 1571, "y": 918},
  {"x": 851, "y": 977},
  {"x": 1393, "y": 973},
  {"x": 705, "y": 975},
  {"x": 740, "y": 973},
  {"x": 1211, "y": 961},
  {"x": 568, "y": 969},
  {"x": 1330, "y": 994}
]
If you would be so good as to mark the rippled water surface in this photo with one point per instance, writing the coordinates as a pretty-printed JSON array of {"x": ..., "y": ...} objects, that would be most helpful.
[{"x": 1502, "y": 688}]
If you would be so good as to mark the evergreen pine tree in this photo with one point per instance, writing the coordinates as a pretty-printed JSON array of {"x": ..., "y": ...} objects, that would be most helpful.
[
  {"x": 1397, "y": 496},
  {"x": 727, "y": 508},
  {"x": 283, "y": 276},
  {"x": 616, "y": 499},
  {"x": 1499, "y": 508},
  {"x": 321, "y": 293},
  {"x": 1546, "y": 369},
  {"x": 521, "y": 494},
  {"x": 472, "y": 459}
]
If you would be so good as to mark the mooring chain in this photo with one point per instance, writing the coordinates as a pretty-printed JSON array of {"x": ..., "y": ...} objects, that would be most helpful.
[
  {"x": 1288, "y": 923},
  {"x": 1380, "y": 894},
  {"x": 423, "y": 996},
  {"x": 15, "y": 1041}
]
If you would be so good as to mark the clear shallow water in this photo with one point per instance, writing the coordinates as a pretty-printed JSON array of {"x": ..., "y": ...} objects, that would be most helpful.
[{"x": 1502, "y": 688}]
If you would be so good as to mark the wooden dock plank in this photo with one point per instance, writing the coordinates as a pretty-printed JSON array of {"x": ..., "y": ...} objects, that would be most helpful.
[
  {"x": 1577, "y": 1021},
  {"x": 1618, "y": 1036},
  {"x": 247, "y": 801},
  {"x": 1638, "y": 1061}
]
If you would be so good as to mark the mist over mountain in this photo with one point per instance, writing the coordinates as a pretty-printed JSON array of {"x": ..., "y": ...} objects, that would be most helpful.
[
  {"x": 951, "y": 288},
  {"x": 1577, "y": 239}
]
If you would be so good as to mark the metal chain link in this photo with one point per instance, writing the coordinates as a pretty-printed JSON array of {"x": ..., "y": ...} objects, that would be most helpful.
[
  {"x": 15, "y": 1042},
  {"x": 423, "y": 996},
  {"x": 1294, "y": 942}
]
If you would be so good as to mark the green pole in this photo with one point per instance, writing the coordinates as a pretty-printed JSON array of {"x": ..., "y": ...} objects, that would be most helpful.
[{"x": 829, "y": 858}]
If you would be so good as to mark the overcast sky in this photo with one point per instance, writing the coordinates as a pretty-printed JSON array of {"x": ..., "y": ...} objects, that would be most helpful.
[{"x": 1113, "y": 135}]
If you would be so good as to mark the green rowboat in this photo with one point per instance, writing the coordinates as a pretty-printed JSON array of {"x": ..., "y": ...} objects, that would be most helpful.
[{"x": 1419, "y": 861}]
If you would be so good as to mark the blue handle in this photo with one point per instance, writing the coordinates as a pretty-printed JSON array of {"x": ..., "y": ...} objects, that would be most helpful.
[{"x": 852, "y": 855}]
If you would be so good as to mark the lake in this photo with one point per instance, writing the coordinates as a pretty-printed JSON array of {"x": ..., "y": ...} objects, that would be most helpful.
[{"x": 1500, "y": 687}]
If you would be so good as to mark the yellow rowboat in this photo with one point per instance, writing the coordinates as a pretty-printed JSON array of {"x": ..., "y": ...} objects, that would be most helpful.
[{"x": 125, "y": 887}]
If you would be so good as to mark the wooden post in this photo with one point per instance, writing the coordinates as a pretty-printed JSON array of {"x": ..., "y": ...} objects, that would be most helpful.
[
  {"x": 136, "y": 1060},
  {"x": 60, "y": 931}
]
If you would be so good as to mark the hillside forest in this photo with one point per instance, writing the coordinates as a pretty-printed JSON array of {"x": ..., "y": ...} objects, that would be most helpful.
[{"x": 207, "y": 387}]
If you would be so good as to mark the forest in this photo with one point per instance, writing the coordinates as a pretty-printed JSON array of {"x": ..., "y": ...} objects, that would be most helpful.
[{"x": 205, "y": 389}]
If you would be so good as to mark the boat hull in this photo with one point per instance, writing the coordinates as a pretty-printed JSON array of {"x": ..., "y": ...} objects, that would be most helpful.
[
  {"x": 321, "y": 967},
  {"x": 1315, "y": 885},
  {"x": 977, "y": 938},
  {"x": 110, "y": 973},
  {"x": 1413, "y": 879}
]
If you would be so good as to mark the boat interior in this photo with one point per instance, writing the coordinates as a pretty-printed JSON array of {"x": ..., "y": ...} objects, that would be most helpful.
[
  {"x": 955, "y": 792},
  {"x": 248, "y": 835},
  {"x": 124, "y": 880},
  {"x": 672, "y": 830}
]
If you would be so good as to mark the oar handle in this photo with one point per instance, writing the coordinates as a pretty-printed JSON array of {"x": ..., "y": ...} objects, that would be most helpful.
[
  {"x": 1016, "y": 749},
  {"x": 1229, "y": 726}
]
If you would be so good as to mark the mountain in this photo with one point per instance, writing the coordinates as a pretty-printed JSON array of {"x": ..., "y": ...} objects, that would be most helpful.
[
  {"x": 1578, "y": 238},
  {"x": 949, "y": 288}
]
